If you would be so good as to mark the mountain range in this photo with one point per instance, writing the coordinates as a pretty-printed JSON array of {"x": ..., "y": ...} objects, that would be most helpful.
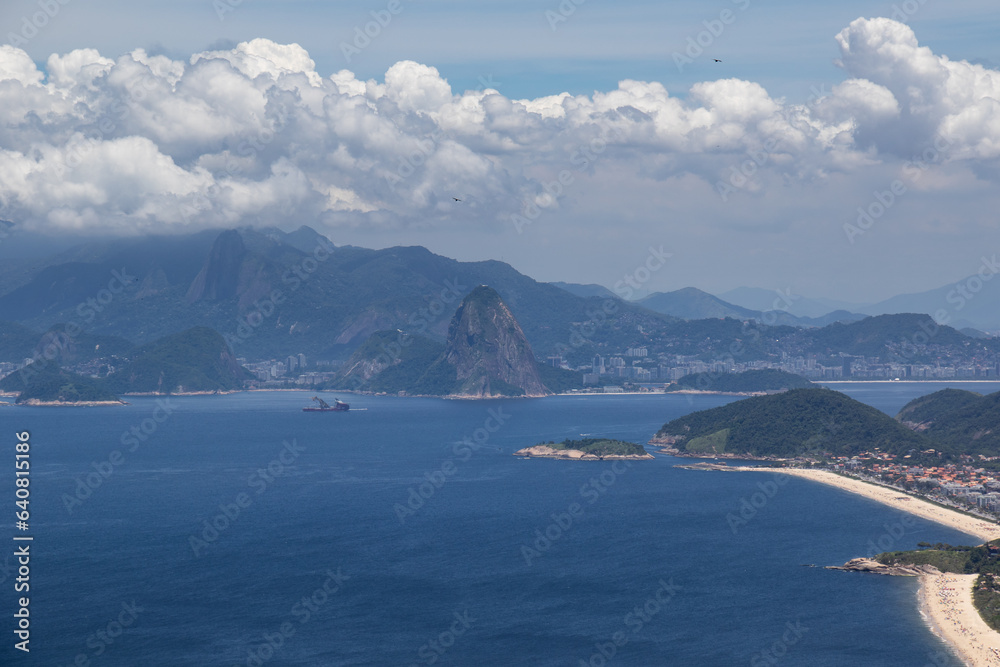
[
  {"x": 691, "y": 303},
  {"x": 971, "y": 304},
  {"x": 271, "y": 294}
]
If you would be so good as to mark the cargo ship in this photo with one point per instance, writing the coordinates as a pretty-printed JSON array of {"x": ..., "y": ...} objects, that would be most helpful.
[{"x": 338, "y": 406}]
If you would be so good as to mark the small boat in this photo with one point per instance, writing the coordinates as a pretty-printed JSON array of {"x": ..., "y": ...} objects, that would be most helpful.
[{"x": 338, "y": 406}]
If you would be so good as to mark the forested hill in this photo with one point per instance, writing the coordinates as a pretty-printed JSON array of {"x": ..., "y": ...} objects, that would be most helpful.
[
  {"x": 961, "y": 421},
  {"x": 789, "y": 424}
]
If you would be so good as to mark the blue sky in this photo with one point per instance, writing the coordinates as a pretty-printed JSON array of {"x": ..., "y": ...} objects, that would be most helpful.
[
  {"x": 471, "y": 91},
  {"x": 786, "y": 46}
]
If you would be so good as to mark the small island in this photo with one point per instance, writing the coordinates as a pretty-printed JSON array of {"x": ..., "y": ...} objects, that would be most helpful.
[{"x": 587, "y": 449}]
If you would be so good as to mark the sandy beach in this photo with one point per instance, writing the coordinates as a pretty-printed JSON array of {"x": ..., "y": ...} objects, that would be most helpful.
[
  {"x": 979, "y": 528},
  {"x": 946, "y": 604},
  {"x": 945, "y": 599}
]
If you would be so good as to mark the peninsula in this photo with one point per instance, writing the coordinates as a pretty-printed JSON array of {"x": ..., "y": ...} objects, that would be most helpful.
[{"x": 921, "y": 463}]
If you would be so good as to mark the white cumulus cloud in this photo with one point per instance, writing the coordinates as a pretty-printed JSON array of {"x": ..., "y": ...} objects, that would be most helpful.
[{"x": 256, "y": 135}]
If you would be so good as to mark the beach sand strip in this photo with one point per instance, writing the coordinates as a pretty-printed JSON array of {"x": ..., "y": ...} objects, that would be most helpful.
[
  {"x": 946, "y": 603},
  {"x": 982, "y": 529},
  {"x": 945, "y": 599}
]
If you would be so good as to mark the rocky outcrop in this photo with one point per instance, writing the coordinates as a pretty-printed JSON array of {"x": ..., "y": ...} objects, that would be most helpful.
[
  {"x": 230, "y": 272},
  {"x": 219, "y": 276},
  {"x": 668, "y": 443},
  {"x": 486, "y": 355},
  {"x": 489, "y": 351},
  {"x": 875, "y": 567},
  {"x": 705, "y": 466},
  {"x": 544, "y": 451}
]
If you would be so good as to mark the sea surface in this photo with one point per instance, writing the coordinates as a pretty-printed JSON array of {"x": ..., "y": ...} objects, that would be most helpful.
[{"x": 239, "y": 530}]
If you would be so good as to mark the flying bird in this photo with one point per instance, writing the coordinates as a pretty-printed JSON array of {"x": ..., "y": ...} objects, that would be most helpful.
[
  {"x": 456, "y": 199},
  {"x": 716, "y": 60}
]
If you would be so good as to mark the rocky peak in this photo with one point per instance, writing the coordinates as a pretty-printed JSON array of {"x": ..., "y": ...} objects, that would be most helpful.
[
  {"x": 489, "y": 351},
  {"x": 219, "y": 276}
]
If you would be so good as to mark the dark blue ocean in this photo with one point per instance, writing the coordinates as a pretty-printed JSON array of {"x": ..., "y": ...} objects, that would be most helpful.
[{"x": 239, "y": 530}]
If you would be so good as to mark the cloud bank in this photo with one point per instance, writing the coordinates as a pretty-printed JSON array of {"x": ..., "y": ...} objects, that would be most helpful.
[{"x": 255, "y": 135}]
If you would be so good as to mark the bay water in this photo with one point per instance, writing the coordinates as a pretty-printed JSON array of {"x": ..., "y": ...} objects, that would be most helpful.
[{"x": 239, "y": 530}]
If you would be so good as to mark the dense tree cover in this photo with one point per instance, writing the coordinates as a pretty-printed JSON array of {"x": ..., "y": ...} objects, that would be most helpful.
[
  {"x": 945, "y": 557},
  {"x": 47, "y": 382},
  {"x": 986, "y": 597},
  {"x": 927, "y": 409},
  {"x": 795, "y": 422},
  {"x": 961, "y": 421},
  {"x": 411, "y": 368},
  {"x": 712, "y": 444},
  {"x": 194, "y": 360},
  {"x": 560, "y": 380},
  {"x": 768, "y": 379},
  {"x": 599, "y": 446}
]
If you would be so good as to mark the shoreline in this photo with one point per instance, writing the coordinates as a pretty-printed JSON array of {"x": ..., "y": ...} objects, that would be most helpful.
[
  {"x": 946, "y": 607},
  {"x": 981, "y": 529},
  {"x": 38, "y": 403},
  {"x": 944, "y": 600}
]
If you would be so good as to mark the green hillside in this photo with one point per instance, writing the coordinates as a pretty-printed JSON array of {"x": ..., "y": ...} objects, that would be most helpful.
[
  {"x": 191, "y": 361},
  {"x": 560, "y": 380},
  {"x": 960, "y": 420},
  {"x": 392, "y": 361},
  {"x": 790, "y": 424},
  {"x": 923, "y": 411},
  {"x": 51, "y": 383}
]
